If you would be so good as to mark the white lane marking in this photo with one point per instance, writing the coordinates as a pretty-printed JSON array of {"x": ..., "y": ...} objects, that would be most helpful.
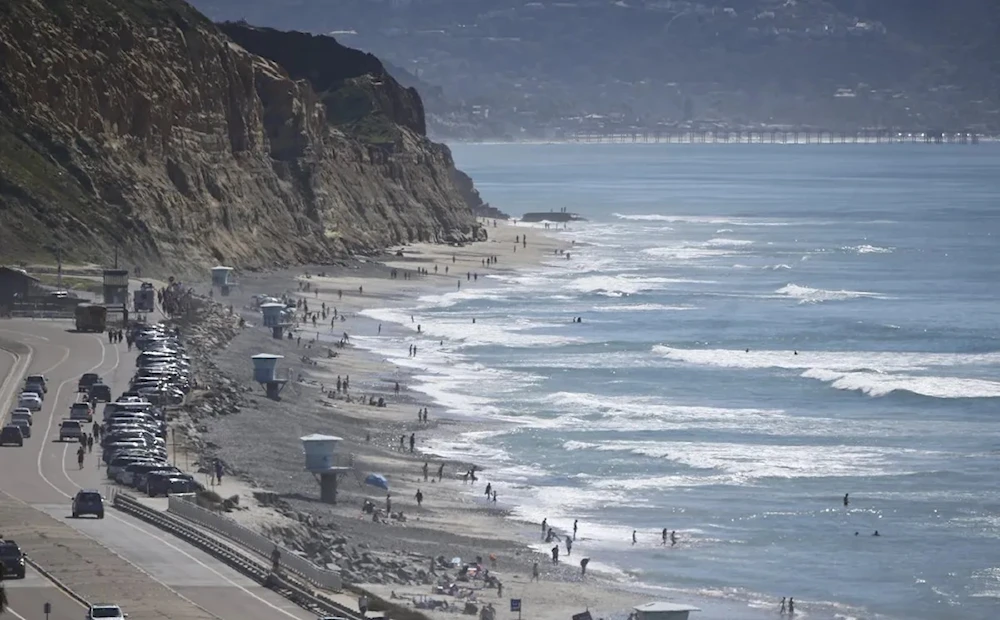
[
  {"x": 22, "y": 334},
  {"x": 148, "y": 533},
  {"x": 16, "y": 615},
  {"x": 57, "y": 364}
]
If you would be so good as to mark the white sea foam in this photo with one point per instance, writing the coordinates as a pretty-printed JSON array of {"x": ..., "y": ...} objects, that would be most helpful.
[
  {"x": 641, "y": 308},
  {"x": 872, "y": 373},
  {"x": 703, "y": 219},
  {"x": 625, "y": 284},
  {"x": 483, "y": 332},
  {"x": 867, "y": 249},
  {"x": 686, "y": 253},
  {"x": 744, "y": 463},
  {"x": 807, "y": 295},
  {"x": 721, "y": 242},
  {"x": 880, "y": 384}
]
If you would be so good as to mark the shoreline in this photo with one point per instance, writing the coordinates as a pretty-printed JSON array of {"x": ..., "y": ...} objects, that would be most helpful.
[{"x": 452, "y": 522}]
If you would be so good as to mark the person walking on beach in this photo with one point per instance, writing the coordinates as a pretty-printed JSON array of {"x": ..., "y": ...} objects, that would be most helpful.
[
  {"x": 791, "y": 606},
  {"x": 633, "y": 537},
  {"x": 575, "y": 522},
  {"x": 534, "y": 572},
  {"x": 673, "y": 538},
  {"x": 783, "y": 606},
  {"x": 440, "y": 472},
  {"x": 545, "y": 526},
  {"x": 555, "y": 554},
  {"x": 402, "y": 442},
  {"x": 663, "y": 536},
  {"x": 388, "y": 504},
  {"x": 583, "y": 566},
  {"x": 489, "y": 489},
  {"x": 494, "y": 496},
  {"x": 425, "y": 471},
  {"x": 413, "y": 440},
  {"x": 420, "y": 498},
  {"x": 569, "y": 546},
  {"x": 847, "y": 499}
]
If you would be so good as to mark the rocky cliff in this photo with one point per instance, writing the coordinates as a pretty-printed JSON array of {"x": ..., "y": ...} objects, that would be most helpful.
[{"x": 140, "y": 124}]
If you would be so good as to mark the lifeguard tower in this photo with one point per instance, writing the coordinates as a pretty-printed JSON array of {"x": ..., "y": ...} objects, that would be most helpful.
[
  {"x": 321, "y": 462},
  {"x": 264, "y": 373},
  {"x": 115, "y": 290},
  {"x": 274, "y": 317},
  {"x": 220, "y": 278}
]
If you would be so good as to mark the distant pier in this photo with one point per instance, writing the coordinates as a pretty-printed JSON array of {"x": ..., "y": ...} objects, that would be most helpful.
[{"x": 780, "y": 136}]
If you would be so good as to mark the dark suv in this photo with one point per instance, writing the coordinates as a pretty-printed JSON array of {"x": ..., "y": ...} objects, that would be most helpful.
[
  {"x": 100, "y": 392},
  {"x": 11, "y": 434},
  {"x": 88, "y": 503},
  {"x": 86, "y": 381},
  {"x": 12, "y": 559}
]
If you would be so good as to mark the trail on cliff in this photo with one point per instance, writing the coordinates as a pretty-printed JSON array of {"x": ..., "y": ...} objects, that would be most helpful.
[{"x": 140, "y": 124}]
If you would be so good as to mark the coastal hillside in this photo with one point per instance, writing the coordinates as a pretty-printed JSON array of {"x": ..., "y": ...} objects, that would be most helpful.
[
  {"x": 527, "y": 68},
  {"x": 140, "y": 125}
]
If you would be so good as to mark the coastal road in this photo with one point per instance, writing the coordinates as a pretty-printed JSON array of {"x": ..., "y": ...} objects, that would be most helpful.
[{"x": 118, "y": 559}]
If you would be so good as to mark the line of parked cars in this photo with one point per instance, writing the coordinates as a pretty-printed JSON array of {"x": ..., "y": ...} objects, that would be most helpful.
[
  {"x": 135, "y": 427},
  {"x": 22, "y": 416}
]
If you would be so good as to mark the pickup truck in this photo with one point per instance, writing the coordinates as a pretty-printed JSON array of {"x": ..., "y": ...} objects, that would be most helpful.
[
  {"x": 81, "y": 411},
  {"x": 70, "y": 429}
]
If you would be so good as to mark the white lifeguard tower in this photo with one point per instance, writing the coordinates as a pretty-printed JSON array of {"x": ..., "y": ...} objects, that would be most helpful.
[
  {"x": 274, "y": 316},
  {"x": 663, "y": 611},
  {"x": 321, "y": 462},
  {"x": 220, "y": 278},
  {"x": 265, "y": 374}
]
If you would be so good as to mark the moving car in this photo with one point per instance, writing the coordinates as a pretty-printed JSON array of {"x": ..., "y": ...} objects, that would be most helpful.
[
  {"x": 11, "y": 435},
  {"x": 88, "y": 502},
  {"x": 34, "y": 388},
  {"x": 87, "y": 380},
  {"x": 81, "y": 411},
  {"x": 100, "y": 392},
  {"x": 12, "y": 559},
  {"x": 105, "y": 612},
  {"x": 70, "y": 429}
]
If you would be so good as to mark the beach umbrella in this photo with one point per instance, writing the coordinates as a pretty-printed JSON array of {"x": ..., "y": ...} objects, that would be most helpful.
[{"x": 377, "y": 480}]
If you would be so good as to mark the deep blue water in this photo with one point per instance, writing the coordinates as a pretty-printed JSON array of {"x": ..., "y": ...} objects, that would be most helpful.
[{"x": 766, "y": 328}]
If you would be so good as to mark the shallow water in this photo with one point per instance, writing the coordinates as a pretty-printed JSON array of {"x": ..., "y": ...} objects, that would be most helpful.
[{"x": 765, "y": 329}]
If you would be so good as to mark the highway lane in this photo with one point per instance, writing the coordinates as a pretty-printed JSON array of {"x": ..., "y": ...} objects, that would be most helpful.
[{"x": 51, "y": 476}]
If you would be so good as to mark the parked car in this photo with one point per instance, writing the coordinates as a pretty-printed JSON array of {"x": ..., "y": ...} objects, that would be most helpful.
[
  {"x": 39, "y": 379},
  {"x": 11, "y": 435},
  {"x": 30, "y": 400},
  {"x": 24, "y": 426},
  {"x": 88, "y": 502},
  {"x": 105, "y": 612},
  {"x": 25, "y": 412}
]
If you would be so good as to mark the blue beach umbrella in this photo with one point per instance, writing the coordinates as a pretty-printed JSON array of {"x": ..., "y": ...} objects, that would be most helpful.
[{"x": 377, "y": 480}]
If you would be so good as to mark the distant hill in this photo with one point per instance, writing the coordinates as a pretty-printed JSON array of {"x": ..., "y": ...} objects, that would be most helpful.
[{"x": 513, "y": 64}]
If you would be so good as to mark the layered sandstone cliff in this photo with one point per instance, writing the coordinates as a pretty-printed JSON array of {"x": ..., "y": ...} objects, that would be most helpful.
[{"x": 139, "y": 124}]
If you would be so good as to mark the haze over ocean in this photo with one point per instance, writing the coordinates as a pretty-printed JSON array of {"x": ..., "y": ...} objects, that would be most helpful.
[{"x": 765, "y": 328}]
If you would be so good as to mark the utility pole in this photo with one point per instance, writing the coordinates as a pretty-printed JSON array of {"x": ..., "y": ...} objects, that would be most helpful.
[{"x": 59, "y": 266}]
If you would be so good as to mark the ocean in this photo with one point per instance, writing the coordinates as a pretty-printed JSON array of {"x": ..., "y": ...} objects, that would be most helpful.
[{"x": 765, "y": 328}]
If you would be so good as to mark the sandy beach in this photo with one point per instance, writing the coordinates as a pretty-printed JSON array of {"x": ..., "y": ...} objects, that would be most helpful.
[{"x": 392, "y": 558}]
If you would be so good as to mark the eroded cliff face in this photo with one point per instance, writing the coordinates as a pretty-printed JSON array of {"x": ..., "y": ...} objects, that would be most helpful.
[{"x": 138, "y": 123}]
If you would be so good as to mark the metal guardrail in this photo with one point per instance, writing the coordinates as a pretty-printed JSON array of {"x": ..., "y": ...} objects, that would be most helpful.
[
  {"x": 257, "y": 571},
  {"x": 224, "y": 526}
]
